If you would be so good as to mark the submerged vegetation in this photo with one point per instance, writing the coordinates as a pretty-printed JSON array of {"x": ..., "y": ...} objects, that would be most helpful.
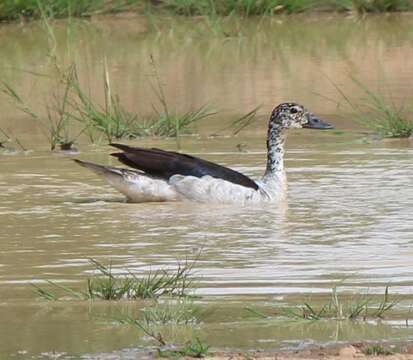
[
  {"x": 32, "y": 9},
  {"x": 105, "y": 285}
]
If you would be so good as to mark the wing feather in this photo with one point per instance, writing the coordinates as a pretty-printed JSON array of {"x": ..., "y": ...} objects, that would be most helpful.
[{"x": 165, "y": 164}]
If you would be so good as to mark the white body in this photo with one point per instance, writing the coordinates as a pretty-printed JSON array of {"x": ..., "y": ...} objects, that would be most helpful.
[{"x": 139, "y": 187}]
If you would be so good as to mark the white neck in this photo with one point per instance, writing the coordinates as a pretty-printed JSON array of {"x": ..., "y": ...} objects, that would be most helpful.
[{"x": 275, "y": 152}]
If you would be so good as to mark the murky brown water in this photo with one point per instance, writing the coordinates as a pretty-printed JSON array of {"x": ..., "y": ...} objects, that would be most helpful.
[{"x": 349, "y": 204}]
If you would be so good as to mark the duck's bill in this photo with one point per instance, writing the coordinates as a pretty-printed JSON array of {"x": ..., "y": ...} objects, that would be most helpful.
[{"x": 315, "y": 123}]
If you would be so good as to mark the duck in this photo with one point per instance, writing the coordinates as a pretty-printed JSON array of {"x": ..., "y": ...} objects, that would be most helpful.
[{"x": 156, "y": 175}]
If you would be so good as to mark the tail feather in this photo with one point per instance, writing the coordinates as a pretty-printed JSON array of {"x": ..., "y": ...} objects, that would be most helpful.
[
  {"x": 137, "y": 186},
  {"x": 99, "y": 169}
]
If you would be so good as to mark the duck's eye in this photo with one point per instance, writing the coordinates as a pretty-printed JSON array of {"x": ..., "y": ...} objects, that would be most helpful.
[{"x": 293, "y": 111}]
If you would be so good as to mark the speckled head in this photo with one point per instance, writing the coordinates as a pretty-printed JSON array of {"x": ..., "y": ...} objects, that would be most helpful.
[{"x": 293, "y": 115}]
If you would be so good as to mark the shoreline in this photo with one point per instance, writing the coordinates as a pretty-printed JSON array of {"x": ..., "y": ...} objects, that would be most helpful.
[
  {"x": 352, "y": 350},
  {"x": 18, "y": 13}
]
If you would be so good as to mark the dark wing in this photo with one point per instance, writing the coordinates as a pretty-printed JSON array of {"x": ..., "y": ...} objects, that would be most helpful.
[{"x": 164, "y": 164}]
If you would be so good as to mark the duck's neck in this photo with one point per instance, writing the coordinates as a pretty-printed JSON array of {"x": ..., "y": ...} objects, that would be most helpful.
[{"x": 275, "y": 152}]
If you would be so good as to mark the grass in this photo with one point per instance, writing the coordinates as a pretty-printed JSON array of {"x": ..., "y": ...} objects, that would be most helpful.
[
  {"x": 194, "y": 348},
  {"x": 111, "y": 119},
  {"x": 150, "y": 327},
  {"x": 273, "y": 7},
  {"x": 180, "y": 312},
  {"x": 376, "y": 350},
  {"x": 71, "y": 107},
  {"x": 244, "y": 121},
  {"x": 165, "y": 121},
  {"x": 362, "y": 307},
  {"x": 116, "y": 123},
  {"x": 379, "y": 114},
  {"x": 32, "y": 9},
  {"x": 5, "y": 137},
  {"x": 107, "y": 286},
  {"x": 57, "y": 126},
  {"x": 11, "y": 10}
]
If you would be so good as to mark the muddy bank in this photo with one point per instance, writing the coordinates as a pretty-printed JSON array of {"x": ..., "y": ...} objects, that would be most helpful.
[{"x": 346, "y": 351}]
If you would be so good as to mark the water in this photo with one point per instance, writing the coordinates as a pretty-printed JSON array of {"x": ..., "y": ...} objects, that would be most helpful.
[{"x": 348, "y": 217}]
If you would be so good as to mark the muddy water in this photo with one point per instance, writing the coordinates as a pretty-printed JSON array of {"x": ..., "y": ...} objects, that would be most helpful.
[{"x": 348, "y": 216}]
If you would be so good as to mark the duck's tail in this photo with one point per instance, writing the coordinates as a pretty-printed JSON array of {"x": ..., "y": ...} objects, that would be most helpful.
[
  {"x": 100, "y": 169},
  {"x": 136, "y": 185}
]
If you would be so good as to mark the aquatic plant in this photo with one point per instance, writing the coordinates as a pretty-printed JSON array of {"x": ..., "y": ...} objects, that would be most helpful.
[
  {"x": 107, "y": 286},
  {"x": 379, "y": 114},
  {"x": 360, "y": 307}
]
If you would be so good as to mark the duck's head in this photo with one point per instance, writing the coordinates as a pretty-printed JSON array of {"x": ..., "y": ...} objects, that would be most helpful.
[{"x": 292, "y": 115}]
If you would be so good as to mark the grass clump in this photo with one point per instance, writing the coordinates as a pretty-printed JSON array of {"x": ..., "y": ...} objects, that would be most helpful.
[
  {"x": 193, "y": 348},
  {"x": 71, "y": 107},
  {"x": 362, "y": 307},
  {"x": 107, "y": 286},
  {"x": 111, "y": 119},
  {"x": 376, "y": 350},
  {"x": 116, "y": 123},
  {"x": 382, "y": 116}
]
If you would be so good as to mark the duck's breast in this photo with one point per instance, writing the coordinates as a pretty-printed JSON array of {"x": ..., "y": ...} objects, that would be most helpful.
[{"x": 210, "y": 189}]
